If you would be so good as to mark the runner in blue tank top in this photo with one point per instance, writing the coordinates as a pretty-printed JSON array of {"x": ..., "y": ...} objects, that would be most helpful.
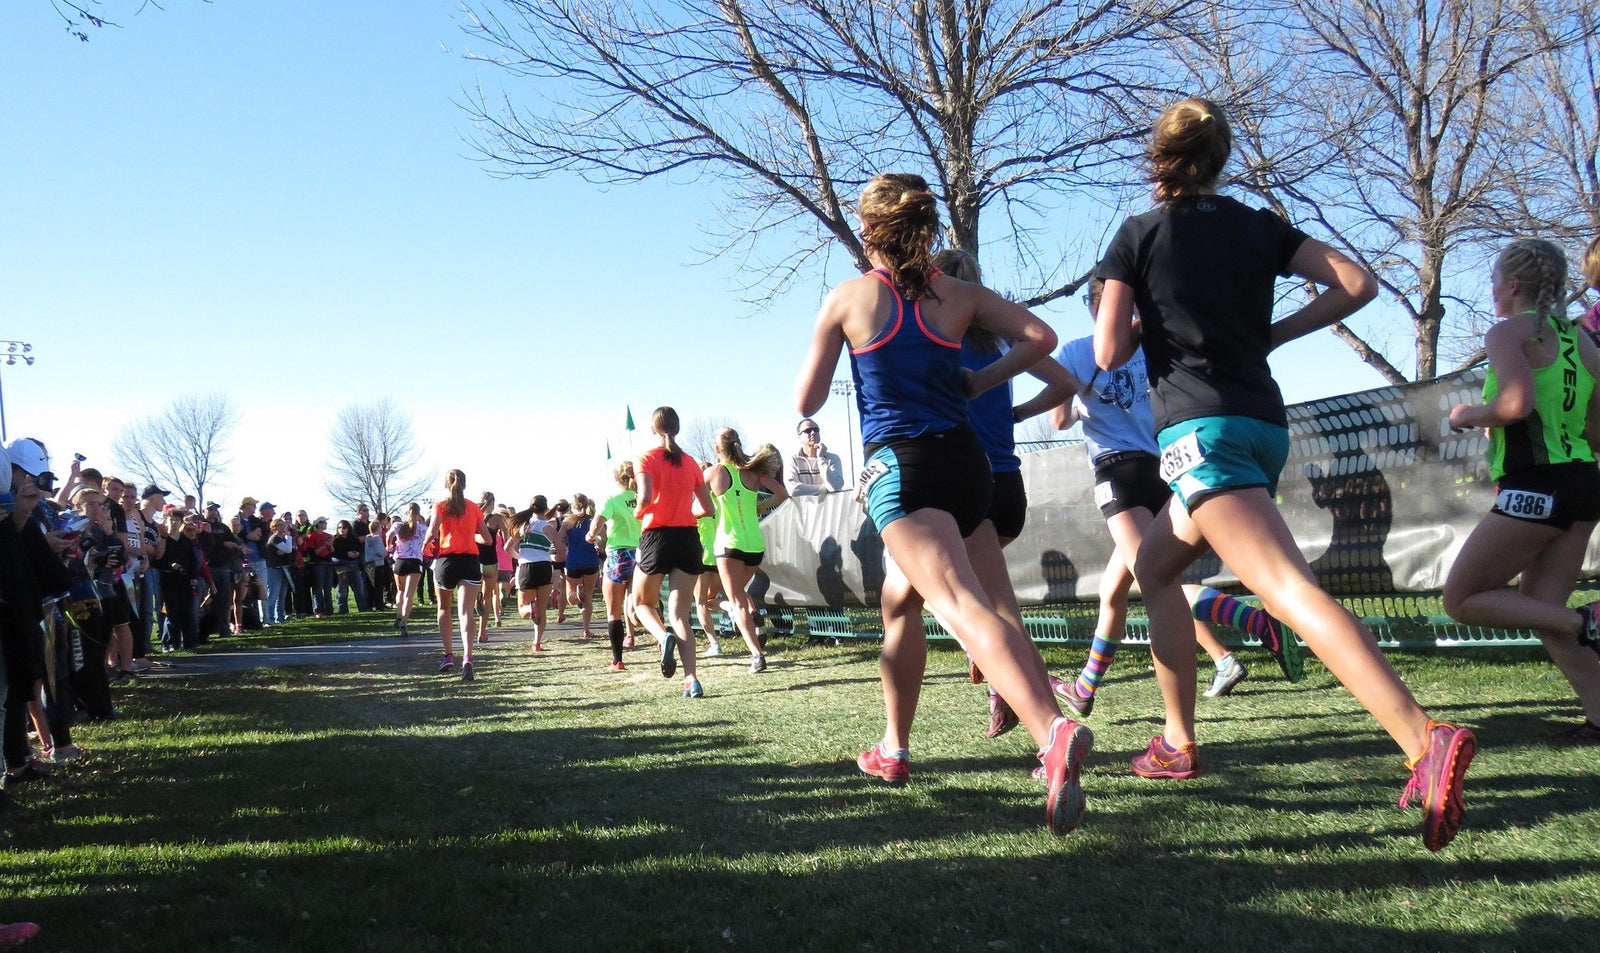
[{"x": 927, "y": 483}]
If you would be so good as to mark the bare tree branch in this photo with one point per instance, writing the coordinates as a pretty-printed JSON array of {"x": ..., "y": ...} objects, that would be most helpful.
[
  {"x": 183, "y": 446},
  {"x": 791, "y": 105},
  {"x": 1387, "y": 124},
  {"x": 698, "y": 436},
  {"x": 374, "y": 457}
]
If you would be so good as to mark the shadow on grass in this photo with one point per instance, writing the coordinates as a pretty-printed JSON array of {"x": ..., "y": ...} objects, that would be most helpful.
[{"x": 375, "y": 807}]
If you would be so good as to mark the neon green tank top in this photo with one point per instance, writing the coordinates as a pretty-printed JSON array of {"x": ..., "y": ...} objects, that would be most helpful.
[
  {"x": 707, "y": 527},
  {"x": 737, "y": 526},
  {"x": 1553, "y": 432}
]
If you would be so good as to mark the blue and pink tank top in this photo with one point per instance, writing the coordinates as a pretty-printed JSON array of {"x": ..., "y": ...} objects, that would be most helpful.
[{"x": 908, "y": 379}]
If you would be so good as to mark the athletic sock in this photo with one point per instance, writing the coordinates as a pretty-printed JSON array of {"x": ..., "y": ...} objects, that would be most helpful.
[
  {"x": 1220, "y": 608},
  {"x": 615, "y": 628},
  {"x": 1100, "y": 655},
  {"x": 1222, "y": 663},
  {"x": 896, "y": 754}
]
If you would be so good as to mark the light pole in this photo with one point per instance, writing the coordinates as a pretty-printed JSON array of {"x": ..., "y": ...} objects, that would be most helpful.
[
  {"x": 14, "y": 351},
  {"x": 847, "y": 390}
]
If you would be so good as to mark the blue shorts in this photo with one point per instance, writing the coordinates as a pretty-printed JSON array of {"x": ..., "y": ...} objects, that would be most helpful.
[{"x": 1208, "y": 455}]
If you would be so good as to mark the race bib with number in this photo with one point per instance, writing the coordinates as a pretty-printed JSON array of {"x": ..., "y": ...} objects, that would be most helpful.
[
  {"x": 1104, "y": 493},
  {"x": 1181, "y": 457},
  {"x": 869, "y": 475},
  {"x": 1524, "y": 504}
]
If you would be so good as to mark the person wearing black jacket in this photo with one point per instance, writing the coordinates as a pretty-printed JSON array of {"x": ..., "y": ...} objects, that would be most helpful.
[
  {"x": 349, "y": 551},
  {"x": 182, "y": 578},
  {"x": 29, "y": 569}
]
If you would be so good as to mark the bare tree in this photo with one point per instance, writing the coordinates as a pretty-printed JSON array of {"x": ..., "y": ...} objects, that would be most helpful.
[
  {"x": 1558, "y": 106},
  {"x": 698, "y": 437},
  {"x": 1394, "y": 114},
  {"x": 374, "y": 457},
  {"x": 791, "y": 105},
  {"x": 183, "y": 446}
]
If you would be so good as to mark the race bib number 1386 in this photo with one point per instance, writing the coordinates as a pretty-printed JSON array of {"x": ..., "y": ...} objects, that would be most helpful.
[{"x": 1522, "y": 504}]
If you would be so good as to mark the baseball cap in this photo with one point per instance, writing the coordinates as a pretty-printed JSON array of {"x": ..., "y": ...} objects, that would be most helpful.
[
  {"x": 151, "y": 489},
  {"x": 29, "y": 455},
  {"x": 247, "y": 501},
  {"x": 263, "y": 506}
]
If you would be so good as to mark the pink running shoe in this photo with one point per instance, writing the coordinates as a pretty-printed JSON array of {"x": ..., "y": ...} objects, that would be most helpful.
[
  {"x": 1436, "y": 779},
  {"x": 1062, "y": 760},
  {"x": 1159, "y": 761},
  {"x": 874, "y": 762},
  {"x": 13, "y": 933}
]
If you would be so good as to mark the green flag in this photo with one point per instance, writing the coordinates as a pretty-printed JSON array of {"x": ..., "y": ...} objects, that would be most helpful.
[{"x": 629, "y": 424}]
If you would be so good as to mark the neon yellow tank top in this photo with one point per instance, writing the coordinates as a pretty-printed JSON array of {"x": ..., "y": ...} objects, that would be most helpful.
[
  {"x": 737, "y": 526},
  {"x": 1553, "y": 432}
]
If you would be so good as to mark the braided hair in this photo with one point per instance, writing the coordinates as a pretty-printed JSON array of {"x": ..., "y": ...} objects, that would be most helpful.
[{"x": 1541, "y": 268}]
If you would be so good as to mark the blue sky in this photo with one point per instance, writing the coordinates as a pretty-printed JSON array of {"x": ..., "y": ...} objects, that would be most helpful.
[{"x": 277, "y": 200}]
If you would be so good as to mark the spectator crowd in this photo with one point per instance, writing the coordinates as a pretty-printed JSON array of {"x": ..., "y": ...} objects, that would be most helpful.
[{"x": 97, "y": 573}]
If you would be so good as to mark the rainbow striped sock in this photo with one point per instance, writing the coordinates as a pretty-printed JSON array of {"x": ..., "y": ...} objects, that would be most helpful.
[
  {"x": 1219, "y": 608},
  {"x": 1100, "y": 655}
]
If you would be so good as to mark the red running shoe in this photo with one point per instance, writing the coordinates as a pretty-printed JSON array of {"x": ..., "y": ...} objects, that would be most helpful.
[
  {"x": 1160, "y": 762},
  {"x": 1062, "y": 760},
  {"x": 874, "y": 762},
  {"x": 974, "y": 673},
  {"x": 616, "y": 667},
  {"x": 1001, "y": 718},
  {"x": 1436, "y": 779}
]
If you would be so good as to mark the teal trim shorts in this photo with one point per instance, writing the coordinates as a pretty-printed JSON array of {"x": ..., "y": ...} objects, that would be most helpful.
[{"x": 1207, "y": 455}]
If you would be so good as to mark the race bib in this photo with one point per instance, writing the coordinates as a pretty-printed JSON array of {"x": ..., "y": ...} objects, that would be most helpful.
[
  {"x": 1104, "y": 493},
  {"x": 1180, "y": 458},
  {"x": 869, "y": 475},
  {"x": 1526, "y": 505}
]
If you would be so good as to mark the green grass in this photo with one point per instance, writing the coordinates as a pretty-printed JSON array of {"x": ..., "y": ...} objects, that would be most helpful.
[{"x": 554, "y": 806}]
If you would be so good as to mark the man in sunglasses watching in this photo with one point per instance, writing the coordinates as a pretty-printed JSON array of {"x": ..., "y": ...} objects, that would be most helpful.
[{"x": 814, "y": 471}]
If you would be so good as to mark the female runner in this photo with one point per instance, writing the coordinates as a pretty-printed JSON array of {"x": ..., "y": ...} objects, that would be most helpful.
[
  {"x": 583, "y": 560},
  {"x": 489, "y": 564},
  {"x": 456, "y": 527},
  {"x": 1114, "y": 407},
  {"x": 1539, "y": 402},
  {"x": 671, "y": 495},
  {"x": 927, "y": 484},
  {"x": 708, "y": 585},
  {"x": 617, "y": 529},
  {"x": 1202, "y": 270},
  {"x": 406, "y": 537},
  {"x": 735, "y": 482},
  {"x": 534, "y": 531},
  {"x": 507, "y": 551},
  {"x": 558, "y": 560}
]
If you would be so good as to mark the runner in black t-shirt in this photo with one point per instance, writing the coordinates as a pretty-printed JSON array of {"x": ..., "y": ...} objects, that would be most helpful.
[{"x": 1201, "y": 269}]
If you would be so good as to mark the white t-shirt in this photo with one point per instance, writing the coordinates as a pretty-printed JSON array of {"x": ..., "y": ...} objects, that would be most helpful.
[{"x": 1113, "y": 405}]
